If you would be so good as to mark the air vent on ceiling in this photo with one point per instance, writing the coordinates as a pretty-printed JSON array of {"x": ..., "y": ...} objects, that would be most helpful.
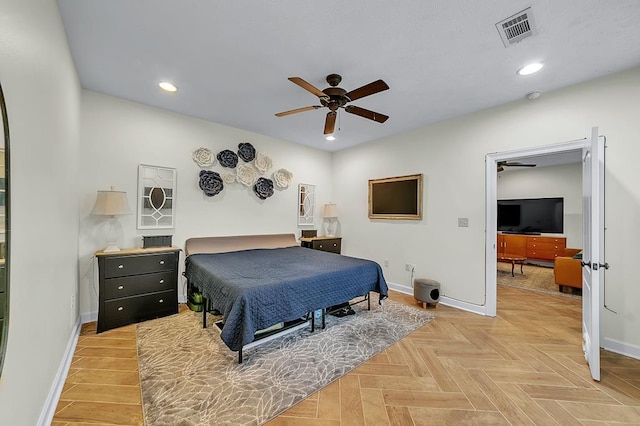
[{"x": 516, "y": 28}]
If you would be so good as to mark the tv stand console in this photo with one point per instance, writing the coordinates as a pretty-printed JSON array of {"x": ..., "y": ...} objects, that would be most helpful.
[{"x": 533, "y": 247}]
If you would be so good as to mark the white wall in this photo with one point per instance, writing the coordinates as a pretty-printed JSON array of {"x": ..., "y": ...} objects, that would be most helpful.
[
  {"x": 118, "y": 135},
  {"x": 451, "y": 156},
  {"x": 553, "y": 181},
  {"x": 43, "y": 96}
]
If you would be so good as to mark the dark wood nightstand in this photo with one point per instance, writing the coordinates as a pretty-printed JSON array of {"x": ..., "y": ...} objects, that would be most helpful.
[
  {"x": 136, "y": 285},
  {"x": 330, "y": 244}
]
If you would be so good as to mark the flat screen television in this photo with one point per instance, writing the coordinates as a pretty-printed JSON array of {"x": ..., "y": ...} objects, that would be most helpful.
[
  {"x": 531, "y": 216},
  {"x": 396, "y": 198}
]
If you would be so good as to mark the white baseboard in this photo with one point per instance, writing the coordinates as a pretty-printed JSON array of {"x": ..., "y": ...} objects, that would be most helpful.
[
  {"x": 49, "y": 408},
  {"x": 458, "y": 304},
  {"x": 621, "y": 348},
  {"x": 88, "y": 317},
  {"x": 465, "y": 306}
]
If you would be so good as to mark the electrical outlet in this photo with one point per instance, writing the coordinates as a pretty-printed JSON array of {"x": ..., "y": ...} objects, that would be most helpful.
[
  {"x": 386, "y": 263},
  {"x": 463, "y": 222},
  {"x": 409, "y": 267}
]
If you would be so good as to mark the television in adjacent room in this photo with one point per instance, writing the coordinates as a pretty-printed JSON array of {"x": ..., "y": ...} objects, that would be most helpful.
[{"x": 531, "y": 216}]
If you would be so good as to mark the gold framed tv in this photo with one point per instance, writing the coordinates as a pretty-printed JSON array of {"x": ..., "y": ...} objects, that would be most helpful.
[{"x": 397, "y": 197}]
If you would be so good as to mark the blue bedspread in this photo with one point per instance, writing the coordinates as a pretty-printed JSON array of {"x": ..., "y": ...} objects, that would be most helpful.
[{"x": 255, "y": 289}]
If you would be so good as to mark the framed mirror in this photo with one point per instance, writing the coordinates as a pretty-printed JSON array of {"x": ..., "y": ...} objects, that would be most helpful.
[
  {"x": 306, "y": 203},
  {"x": 4, "y": 231},
  {"x": 156, "y": 197}
]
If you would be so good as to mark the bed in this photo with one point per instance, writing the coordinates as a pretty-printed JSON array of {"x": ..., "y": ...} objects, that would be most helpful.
[{"x": 262, "y": 281}]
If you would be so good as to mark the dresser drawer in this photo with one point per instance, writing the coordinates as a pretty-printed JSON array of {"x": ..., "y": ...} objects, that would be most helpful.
[
  {"x": 556, "y": 240},
  {"x": 543, "y": 254},
  {"x": 139, "y": 284},
  {"x": 127, "y": 310},
  {"x": 122, "y": 266},
  {"x": 332, "y": 245},
  {"x": 544, "y": 246}
]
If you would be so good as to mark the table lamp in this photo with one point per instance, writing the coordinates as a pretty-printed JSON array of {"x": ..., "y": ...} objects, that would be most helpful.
[
  {"x": 330, "y": 213},
  {"x": 111, "y": 203}
]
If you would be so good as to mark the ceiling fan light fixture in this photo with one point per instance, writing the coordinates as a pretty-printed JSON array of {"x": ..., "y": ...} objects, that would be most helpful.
[
  {"x": 167, "y": 86},
  {"x": 330, "y": 137},
  {"x": 530, "y": 68}
]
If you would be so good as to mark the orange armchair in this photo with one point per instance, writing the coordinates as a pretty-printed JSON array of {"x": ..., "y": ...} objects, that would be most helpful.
[{"x": 567, "y": 271}]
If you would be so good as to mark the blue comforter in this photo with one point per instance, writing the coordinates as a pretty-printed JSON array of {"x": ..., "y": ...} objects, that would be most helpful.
[{"x": 255, "y": 289}]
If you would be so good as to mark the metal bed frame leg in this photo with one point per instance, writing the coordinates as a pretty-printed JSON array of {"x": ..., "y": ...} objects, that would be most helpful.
[
  {"x": 368, "y": 301},
  {"x": 205, "y": 305},
  {"x": 313, "y": 321},
  {"x": 240, "y": 356}
]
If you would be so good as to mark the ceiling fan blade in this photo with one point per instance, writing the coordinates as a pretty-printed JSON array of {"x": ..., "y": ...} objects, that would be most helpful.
[
  {"x": 330, "y": 122},
  {"x": 308, "y": 87},
  {"x": 293, "y": 111},
  {"x": 371, "y": 115},
  {"x": 367, "y": 89}
]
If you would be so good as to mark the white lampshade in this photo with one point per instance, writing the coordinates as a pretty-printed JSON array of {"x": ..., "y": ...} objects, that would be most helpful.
[
  {"x": 330, "y": 211},
  {"x": 111, "y": 203}
]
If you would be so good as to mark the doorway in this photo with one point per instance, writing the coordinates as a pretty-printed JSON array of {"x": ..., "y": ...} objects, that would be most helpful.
[{"x": 567, "y": 149}]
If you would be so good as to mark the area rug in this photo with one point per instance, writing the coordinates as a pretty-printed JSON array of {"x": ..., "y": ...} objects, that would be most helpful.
[
  {"x": 534, "y": 278},
  {"x": 189, "y": 376}
]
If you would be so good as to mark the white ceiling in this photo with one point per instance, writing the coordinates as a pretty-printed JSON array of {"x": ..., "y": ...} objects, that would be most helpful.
[{"x": 441, "y": 58}]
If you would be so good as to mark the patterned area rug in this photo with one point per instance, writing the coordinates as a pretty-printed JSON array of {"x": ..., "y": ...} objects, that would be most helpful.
[{"x": 190, "y": 377}]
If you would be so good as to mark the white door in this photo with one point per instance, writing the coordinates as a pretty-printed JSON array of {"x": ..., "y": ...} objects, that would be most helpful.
[{"x": 593, "y": 252}]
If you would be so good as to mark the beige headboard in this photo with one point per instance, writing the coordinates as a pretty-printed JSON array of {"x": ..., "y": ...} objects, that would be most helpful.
[{"x": 239, "y": 242}]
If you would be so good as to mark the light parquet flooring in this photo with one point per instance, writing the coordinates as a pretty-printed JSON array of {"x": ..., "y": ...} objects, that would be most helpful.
[{"x": 524, "y": 366}]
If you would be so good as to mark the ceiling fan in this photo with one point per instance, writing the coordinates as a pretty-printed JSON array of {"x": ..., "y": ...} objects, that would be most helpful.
[
  {"x": 334, "y": 97},
  {"x": 503, "y": 164}
]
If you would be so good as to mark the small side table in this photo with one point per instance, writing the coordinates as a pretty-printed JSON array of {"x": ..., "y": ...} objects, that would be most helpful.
[{"x": 328, "y": 244}]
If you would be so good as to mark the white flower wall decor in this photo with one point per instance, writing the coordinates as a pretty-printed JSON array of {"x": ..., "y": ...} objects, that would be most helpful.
[
  {"x": 203, "y": 157},
  {"x": 263, "y": 162},
  {"x": 228, "y": 178},
  {"x": 282, "y": 178},
  {"x": 247, "y": 174},
  {"x": 250, "y": 171}
]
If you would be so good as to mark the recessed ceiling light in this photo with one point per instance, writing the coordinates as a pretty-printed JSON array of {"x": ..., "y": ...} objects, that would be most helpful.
[
  {"x": 530, "y": 68},
  {"x": 330, "y": 138},
  {"x": 167, "y": 86}
]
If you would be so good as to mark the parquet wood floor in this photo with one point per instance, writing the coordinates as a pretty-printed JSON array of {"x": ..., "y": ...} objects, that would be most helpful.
[{"x": 524, "y": 366}]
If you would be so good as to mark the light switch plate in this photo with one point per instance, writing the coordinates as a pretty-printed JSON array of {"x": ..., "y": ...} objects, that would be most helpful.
[{"x": 463, "y": 222}]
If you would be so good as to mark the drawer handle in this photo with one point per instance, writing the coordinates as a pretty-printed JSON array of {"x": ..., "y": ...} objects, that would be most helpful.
[
  {"x": 320, "y": 246},
  {"x": 162, "y": 262},
  {"x": 120, "y": 287},
  {"x": 120, "y": 266},
  {"x": 161, "y": 281},
  {"x": 161, "y": 300},
  {"x": 120, "y": 308},
  {"x": 335, "y": 245}
]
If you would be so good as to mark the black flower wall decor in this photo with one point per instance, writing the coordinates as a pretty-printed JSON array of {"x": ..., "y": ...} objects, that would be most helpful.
[
  {"x": 263, "y": 188},
  {"x": 246, "y": 152},
  {"x": 210, "y": 183},
  {"x": 228, "y": 158}
]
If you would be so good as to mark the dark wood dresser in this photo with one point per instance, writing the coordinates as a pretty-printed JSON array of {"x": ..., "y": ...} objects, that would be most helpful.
[
  {"x": 330, "y": 244},
  {"x": 136, "y": 285}
]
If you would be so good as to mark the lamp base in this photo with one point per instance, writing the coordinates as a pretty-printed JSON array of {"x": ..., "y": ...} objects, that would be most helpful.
[{"x": 111, "y": 248}]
